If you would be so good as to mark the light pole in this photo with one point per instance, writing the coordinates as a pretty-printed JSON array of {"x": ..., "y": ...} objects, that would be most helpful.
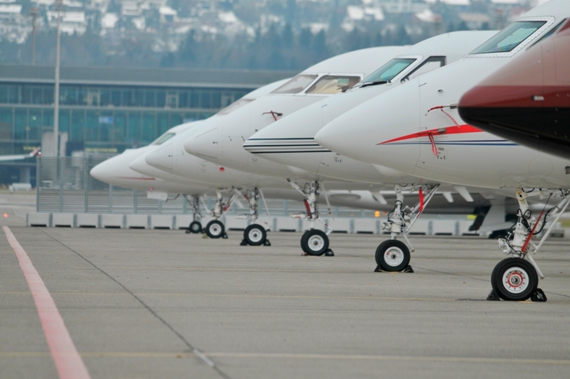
[
  {"x": 34, "y": 13},
  {"x": 56, "y": 91}
]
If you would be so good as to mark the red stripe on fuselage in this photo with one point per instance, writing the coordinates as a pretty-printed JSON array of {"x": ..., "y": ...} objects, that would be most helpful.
[{"x": 461, "y": 129}]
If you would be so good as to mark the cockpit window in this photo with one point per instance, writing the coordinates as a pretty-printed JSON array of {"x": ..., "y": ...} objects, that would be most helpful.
[
  {"x": 332, "y": 84},
  {"x": 510, "y": 37},
  {"x": 235, "y": 105},
  {"x": 430, "y": 64},
  {"x": 389, "y": 71},
  {"x": 163, "y": 138},
  {"x": 296, "y": 85},
  {"x": 550, "y": 32}
]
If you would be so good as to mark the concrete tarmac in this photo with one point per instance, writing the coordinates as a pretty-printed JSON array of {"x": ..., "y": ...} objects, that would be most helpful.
[{"x": 165, "y": 304}]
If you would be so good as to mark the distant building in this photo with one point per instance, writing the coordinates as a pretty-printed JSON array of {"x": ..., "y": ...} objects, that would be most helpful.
[{"x": 107, "y": 110}]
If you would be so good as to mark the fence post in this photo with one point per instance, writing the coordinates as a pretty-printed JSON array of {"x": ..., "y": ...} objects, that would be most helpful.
[
  {"x": 135, "y": 199},
  {"x": 60, "y": 170},
  {"x": 85, "y": 184},
  {"x": 38, "y": 182},
  {"x": 110, "y": 198}
]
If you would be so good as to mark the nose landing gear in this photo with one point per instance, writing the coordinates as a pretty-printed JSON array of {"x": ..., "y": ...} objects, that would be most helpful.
[
  {"x": 393, "y": 255},
  {"x": 516, "y": 278},
  {"x": 314, "y": 241},
  {"x": 195, "y": 226},
  {"x": 254, "y": 234}
]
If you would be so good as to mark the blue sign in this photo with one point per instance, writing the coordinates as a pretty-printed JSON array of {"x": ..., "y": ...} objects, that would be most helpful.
[{"x": 105, "y": 120}]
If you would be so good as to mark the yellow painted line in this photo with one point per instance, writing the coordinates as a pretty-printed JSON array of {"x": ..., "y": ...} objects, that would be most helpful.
[{"x": 391, "y": 358}]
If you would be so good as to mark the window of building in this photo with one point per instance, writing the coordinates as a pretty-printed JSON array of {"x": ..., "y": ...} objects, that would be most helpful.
[
  {"x": 119, "y": 126},
  {"x": 172, "y": 99},
  {"x": 21, "y": 123},
  {"x": 116, "y": 98},
  {"x": 160, "y": 98},
  {"x": 105, "y": 99},
  {"x": 134, "y": 128},
  {"x": 83, "y": 125},
  {"x": 148, "y": 132}
]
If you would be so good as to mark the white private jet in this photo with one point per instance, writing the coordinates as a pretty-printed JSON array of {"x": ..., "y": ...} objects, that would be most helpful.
[{"x": 415, "y": 129}]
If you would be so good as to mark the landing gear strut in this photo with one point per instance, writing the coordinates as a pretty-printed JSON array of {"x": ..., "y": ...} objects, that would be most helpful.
[
  {"x": 313, "y": 241},
  {"x": 516, "y": 277},
  {"x": 215, "y": 228},
  {"x": 195, "y": 226},
  {"x": 394, "y": 255},
  {"x": 254, "y": 234}
]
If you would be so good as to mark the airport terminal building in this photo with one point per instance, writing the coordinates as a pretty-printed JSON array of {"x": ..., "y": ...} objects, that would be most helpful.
[{"x": 107, "y": 110}]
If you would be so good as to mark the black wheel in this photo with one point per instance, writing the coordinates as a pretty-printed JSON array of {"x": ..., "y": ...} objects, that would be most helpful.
[
  {"x": 215, "y": 229},
  {"x": 315, "y": 242},
  {"x": 254, "y": 235},
  {"x": 195, "y": 227},
  {"x": 392, "y": 255},
  {"x": 514, "y": 279},
  {"x": 304, "y": 241}
]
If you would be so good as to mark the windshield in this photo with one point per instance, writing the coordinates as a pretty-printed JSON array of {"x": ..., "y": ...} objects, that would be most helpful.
[
  {"x": 389, "y": 70},
  {"x": 163, "y": 138},
  {"x": 296, "y": 85},
  {"x": 332, "y": 84},
  {"x": 510, "y": 37},
  {"x": 235, "y": 105}
]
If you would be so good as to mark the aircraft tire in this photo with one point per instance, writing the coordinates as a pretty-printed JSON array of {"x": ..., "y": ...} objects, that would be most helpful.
[
  {"x": 195, "y": 227},
  {"x": 315, "y": 242},
  {"x": 255, "y": 235},
  {"x": 215, "y": 229},
  {"x": 514, "y": 279},
  {"x": 392, "y": 255}
]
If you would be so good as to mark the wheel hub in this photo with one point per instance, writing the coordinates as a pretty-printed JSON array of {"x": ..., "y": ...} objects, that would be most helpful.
[
  {"x": 215, "y": 229},
  {"x": 394, "y": 256},
  {"x": 255, "y": 235},
  {"x": 316, "y": 243},
  {"x": 515, "y": 280}
]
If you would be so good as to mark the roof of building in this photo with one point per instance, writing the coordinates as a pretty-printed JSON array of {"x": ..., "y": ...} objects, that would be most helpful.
[{"x": 143, "y": 76}]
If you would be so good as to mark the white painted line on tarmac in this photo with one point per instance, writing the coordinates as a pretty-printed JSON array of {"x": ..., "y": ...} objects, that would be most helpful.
[{"x": 67, "y": 360}]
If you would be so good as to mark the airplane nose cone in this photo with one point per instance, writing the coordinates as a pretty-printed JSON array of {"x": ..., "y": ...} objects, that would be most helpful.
[
  {"x": 204, "y": 144},
  {"x": 336, "y": 137},
  {"x": 101, "y": 171},
  {"x": 162, "y": 159},
  {"x": 139, "y": 165}
]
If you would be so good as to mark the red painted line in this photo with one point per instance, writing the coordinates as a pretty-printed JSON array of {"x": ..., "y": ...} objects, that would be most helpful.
[
  {"x": 460, "y": 129},
  {"x": 67, "y": 360}
]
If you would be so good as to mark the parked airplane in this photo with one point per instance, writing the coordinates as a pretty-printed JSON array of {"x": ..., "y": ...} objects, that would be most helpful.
[
  {"x": 415, "y": 129},
  {"x": 528, "y": 100},
  {"x": 33, "y": 153}
]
